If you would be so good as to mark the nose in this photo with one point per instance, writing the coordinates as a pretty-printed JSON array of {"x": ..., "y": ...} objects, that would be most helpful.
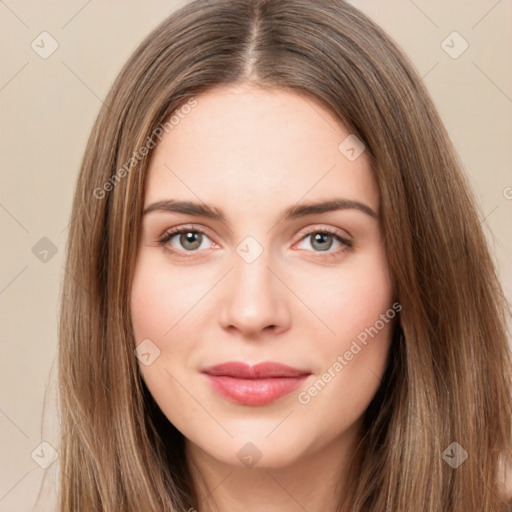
[{"x": 255, "y": 298}]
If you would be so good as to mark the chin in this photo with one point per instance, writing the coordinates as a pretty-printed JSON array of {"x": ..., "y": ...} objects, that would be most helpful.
[{"x": 253, "y": 450}]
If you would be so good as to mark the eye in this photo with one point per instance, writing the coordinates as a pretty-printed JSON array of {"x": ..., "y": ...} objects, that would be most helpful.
[
  {"x": 190, "y": 239},
  {"x": 322, "y": 240}
]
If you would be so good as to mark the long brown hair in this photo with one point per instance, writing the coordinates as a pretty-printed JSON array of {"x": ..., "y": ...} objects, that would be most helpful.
[{"x": 448, "y": 374}]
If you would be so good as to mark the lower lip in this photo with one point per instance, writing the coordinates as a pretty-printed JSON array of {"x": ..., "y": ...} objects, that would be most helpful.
[{"x": 254, "y": 391}]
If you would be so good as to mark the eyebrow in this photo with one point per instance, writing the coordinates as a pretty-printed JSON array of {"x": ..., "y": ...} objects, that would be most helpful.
[{"x": 292, "y": 212}]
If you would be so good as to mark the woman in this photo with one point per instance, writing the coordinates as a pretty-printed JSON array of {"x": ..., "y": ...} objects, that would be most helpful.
[{"x": 342, "y": 347}]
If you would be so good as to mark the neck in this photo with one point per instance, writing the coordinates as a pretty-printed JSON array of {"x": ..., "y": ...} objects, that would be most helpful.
[{"x": 315, "y": 482}]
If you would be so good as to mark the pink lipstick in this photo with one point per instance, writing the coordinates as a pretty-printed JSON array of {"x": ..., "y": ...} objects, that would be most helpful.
[{"x": 254, "y": 385}]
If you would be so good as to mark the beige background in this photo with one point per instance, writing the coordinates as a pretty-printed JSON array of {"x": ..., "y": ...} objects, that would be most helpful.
[{"x": 47, "y": 109}]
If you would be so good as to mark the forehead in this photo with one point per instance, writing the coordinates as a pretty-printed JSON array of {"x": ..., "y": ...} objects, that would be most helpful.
[{"x": 242, "y": 145}]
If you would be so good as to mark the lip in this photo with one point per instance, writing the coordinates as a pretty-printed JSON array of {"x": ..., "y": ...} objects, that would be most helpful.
[{"x": 254, "y": 385}]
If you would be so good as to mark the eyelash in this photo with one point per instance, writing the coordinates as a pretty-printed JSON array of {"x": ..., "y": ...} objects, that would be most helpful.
[{"x": 168, "y": 235}]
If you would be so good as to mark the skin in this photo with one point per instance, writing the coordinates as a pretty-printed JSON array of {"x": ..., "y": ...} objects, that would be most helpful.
[{"x": 252, "y": 153}]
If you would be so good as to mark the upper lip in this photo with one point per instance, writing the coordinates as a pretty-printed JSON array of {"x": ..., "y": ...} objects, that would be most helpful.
[{"x": 263, "y": 370}]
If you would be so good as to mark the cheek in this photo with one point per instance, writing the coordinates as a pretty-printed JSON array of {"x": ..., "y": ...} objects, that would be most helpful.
[
  {"x": 159, "y": 304},
  {"x": 162, "y": 297},
  {"x": 361, "y": 313},
  {"x": 150, "y": 313},
  {"x": 352, "y": 351},
  {"x": 364, "y": 298},
  {"x": 347, "y": 303}
]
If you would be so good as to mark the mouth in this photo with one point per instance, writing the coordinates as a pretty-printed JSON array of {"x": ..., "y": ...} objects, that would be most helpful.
[{"x": 254, "y": 385}]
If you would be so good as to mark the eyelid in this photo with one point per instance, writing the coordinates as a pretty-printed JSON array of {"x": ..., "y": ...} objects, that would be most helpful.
[
  {"x": 318, "y": 228},
  {"x": 304, "y": 232},
  {"x": 170, "y": 232}
]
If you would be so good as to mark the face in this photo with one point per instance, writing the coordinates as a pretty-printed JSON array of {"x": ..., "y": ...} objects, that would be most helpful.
[{"x": 254, "y": 277}]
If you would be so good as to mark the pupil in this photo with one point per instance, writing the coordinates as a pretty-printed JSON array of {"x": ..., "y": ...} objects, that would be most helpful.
[
  {"x": 321, "y": 236},
  {"x": 189, "y": 238}
]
